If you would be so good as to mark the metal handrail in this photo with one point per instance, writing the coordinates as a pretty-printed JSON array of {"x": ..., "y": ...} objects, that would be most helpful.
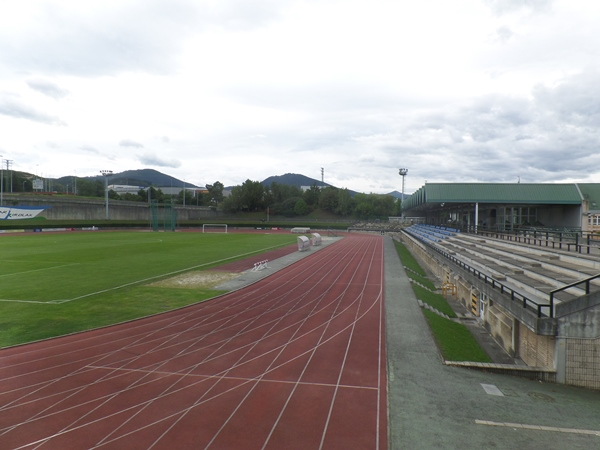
[
  {"x": 578, "y": 241},
  {"x": 514, "y": 295},
  {"x": 587, "y": 282}
]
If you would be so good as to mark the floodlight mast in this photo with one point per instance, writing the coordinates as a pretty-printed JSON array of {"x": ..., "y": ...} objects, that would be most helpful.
[
  {"x": 402, "y": 173},
  {"x": 106, "y": 174},
  {"x": 1, "y": 179}
]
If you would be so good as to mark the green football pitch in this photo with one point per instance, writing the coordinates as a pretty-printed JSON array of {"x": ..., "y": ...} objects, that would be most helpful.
[{"x": 55, "y": 284}]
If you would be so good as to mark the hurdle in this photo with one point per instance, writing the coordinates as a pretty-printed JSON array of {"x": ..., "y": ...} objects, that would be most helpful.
[{"x": 261, "y": 265}]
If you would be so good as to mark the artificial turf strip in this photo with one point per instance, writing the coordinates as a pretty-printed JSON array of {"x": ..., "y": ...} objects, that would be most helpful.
[{"x": 455, "y": 341}]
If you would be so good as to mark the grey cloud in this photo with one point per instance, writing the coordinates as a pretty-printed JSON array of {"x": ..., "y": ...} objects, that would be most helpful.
[
  {"x": 47, "y": 88},
  {"x": 140, "y": 35},
  {"x": 89, "y": 149},
  {"x": 244, "y": 15},
  {"x": 13, "y": 107},
  {"x": 548, "y": 137},
  {"x": 152, "y": 159},
  {"x": 503, "y": 34},
  {"x": 130, "y": 143},
  {"x": 576, "y": 100},
  {"x": 506, "y": 6}
]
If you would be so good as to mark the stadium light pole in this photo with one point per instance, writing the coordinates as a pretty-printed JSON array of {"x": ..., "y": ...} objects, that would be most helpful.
[
  {"x": 1, "y": 179},
  {"x": 106, "y": 174},
  {"x": 402, "y": 173}
]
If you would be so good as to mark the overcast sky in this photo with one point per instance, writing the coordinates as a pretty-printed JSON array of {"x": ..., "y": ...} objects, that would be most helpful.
[{"x": 230, "y": 90}]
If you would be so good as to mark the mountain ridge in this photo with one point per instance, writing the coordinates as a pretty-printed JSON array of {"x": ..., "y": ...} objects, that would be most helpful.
[{"x": 152, "y": 177}]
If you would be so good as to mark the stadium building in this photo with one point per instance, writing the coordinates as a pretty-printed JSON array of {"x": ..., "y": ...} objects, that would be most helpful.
[
  {"x": 507, "y": 206},
  {"x": 524, "y": 260}
]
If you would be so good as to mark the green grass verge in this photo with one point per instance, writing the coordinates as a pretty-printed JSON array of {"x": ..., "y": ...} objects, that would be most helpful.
[
  {"x": 408, "y": 259},
  {"x": 454, "y": 340},
  {"x": 434, "y": 300},
  {"x": 55, "y": 284},
  {"x": 421, "y": 280},
  {"x": 415, "y": 271}
]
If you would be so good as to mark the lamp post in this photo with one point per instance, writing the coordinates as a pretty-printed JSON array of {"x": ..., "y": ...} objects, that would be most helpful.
[
  {"x": 106, "y": 174},
  {"x": 402, "y": 173},
  {"x": 1, "y": 179}
]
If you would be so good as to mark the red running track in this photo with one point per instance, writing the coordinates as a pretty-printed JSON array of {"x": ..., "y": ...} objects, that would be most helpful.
[{"x": 295, "y": 361}]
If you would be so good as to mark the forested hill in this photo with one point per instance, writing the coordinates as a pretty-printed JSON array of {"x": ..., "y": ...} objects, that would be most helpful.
[
  {"x": 293, "y": 179},
  {"x": 297, "y": 180}
]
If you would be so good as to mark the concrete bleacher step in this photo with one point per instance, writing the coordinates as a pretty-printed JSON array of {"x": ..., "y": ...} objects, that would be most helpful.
[
  {"x": 584, "y": 263},
  {"x": 542, "y": 266},
  {"x": 520, "y": 270}
]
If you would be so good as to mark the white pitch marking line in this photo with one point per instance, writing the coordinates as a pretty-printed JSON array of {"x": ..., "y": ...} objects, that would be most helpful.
[{"x": 537, "y": 427}]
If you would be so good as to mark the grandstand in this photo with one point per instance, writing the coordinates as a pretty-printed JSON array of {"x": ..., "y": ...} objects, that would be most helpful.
[
  {"x": 506, "y": 206},
  {"x": 540, "y": 298}
]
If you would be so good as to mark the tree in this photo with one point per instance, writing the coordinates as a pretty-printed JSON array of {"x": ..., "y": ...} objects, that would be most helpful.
[
  {"x": 383, "y": 205},
  {"x": 90, "y": 188},
  {"x": 184, "y": 194},
  {"x": 252, "y": 195},
  {"x": 329, "y": 199},
  {"x": 155, "y": 195},
  {"x": 311, "y": 195},
  {"x": 132, "y": 197},
  {"x": 345, "y": 204},
  {"x": 300, "y": 208},
  {"x": 143, "y": 195},
  {"x": 215, "y": 193},
  {"x": 370, "y": 206},
  {"x": 234, "y": 202},
  {"x": 364, "y": 210}
]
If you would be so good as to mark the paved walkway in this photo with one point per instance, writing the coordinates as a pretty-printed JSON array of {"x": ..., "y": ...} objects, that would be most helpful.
[{"x": 436, "y": 406}]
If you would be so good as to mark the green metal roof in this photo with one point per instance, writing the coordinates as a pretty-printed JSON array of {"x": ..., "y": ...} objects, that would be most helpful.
[
  {"x": 501, "y": 193},
  {"x": 591, "y": 193}
]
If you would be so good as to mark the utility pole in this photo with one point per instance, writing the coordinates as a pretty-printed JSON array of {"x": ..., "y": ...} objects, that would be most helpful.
[
  {"x": 8, "y": 166},
  {"x": 1, "y": 179},
  {"x": 106, "y": 174}
]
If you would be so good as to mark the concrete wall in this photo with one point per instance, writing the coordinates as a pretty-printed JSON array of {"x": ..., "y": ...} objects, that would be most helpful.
[
  {"x": 569, "y": 343},
  {"x": 536, "y": 350},
  {"x": 582, "y": 363},
  {"x": 76, "y": 209},
  {"x": 500, "y": 325},
  {"x": 578, "y": 349}
]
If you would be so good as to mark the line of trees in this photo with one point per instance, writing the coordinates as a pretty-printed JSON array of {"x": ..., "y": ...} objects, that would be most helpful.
[
  {"x": 250, "y": 196},
  {"x": 291, "y": 201}
]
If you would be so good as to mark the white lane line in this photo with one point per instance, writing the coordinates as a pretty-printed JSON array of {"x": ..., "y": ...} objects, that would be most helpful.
[
  {"x": 349, "y": 342},
  {"x": 291, "y": 339},
  {"x": 537, "y": 427},
  {"x": 491, "y": 389},
  {"x": 381, "y": 331},
  {"x": 180, "y": 319}
]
